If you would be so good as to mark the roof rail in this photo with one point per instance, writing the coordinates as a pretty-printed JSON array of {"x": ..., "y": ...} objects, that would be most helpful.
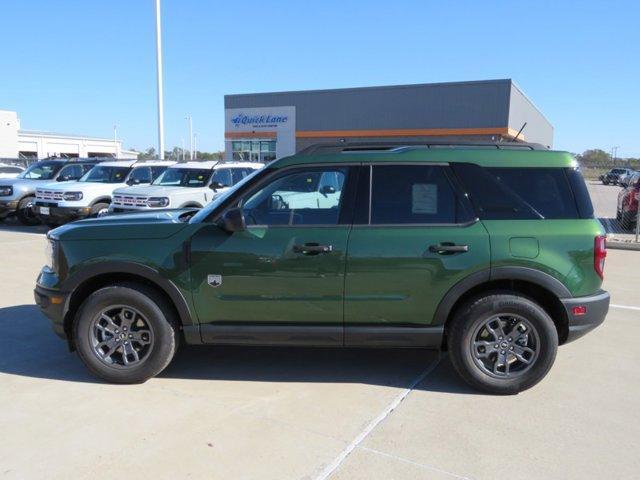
[{"x": 382, "y": 146}]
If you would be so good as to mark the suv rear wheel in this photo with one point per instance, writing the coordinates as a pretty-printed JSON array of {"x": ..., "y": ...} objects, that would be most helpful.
[
  {"x": 125, "y": 333},
  {"x": 502, "y": 343}
]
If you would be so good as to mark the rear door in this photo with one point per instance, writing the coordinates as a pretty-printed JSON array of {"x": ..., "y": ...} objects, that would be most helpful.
[{"x": 418, "y": 238}]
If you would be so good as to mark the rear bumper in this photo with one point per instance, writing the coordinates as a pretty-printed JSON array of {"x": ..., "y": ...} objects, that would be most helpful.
[
  {"x": 53, "y": 304},
  {"x": 596, "y": 306}
]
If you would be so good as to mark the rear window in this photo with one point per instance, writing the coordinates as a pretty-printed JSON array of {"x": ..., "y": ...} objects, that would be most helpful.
[{"x": 525, "y": 193}]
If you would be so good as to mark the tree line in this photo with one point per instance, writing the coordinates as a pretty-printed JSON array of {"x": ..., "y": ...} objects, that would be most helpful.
[
  {"x": 599, "y": 158},
  {"x": 178, "y": 154}
]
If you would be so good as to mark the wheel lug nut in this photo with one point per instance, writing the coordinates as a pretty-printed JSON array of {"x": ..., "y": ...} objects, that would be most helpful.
[
  {"x": 499, "y": 338},
  {"x": 496, "y": 345},
  {"x": 126, "y": 343},
  {"x": 117, "y": 331},
  {"x": 130, "y": 336},
  {"x": 502, "y": 352},
  {"x": 510, "y": 348},
  {"x": 510, "y": 339}
]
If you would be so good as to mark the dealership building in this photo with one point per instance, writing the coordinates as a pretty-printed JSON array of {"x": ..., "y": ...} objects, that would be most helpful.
[
  {"x": 265, "y": 126},
  {"x": 32, "y": 145}
]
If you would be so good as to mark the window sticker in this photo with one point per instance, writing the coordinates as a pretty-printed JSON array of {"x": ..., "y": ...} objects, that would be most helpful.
[{"x": 424, "y": 198}]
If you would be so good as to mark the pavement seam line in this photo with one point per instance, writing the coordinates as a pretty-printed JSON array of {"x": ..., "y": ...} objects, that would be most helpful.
[
  {"x": 411, "y": 462},
  {"x": 625, "y": 307},
  {"x": 333, "y": 466}
]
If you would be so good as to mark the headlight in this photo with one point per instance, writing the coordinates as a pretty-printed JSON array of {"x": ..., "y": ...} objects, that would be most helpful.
[
  {"x": 6, "y": 191},
  {"x": 157, "y": 202},
  {"x": 51, "y": 252},
  {"x": 72, "y": 196}
]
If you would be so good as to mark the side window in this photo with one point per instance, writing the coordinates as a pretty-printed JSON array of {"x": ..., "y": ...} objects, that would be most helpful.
[
  {"x": 86, "y": 167},
  {"x": 414, "y": 194},
  {"x": 240, "y": 173},
  {"x": 295, "y": 199},
  {"x": 223, "y": 177},
  {"x": 70, "y": 172},
  {"x": 157, "y": 171},
  {"x": 140, "y": 175}
]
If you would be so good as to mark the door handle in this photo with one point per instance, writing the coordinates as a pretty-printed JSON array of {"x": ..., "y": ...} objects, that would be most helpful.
[
  {"x": 448, "y": 248},
  {"x": 312, "y": 249}
]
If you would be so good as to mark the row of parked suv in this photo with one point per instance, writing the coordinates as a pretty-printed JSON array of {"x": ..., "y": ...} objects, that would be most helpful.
[{"x": 61, "y": 190}]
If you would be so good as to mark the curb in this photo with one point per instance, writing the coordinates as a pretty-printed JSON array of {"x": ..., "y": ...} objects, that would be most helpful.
[{"x": 614, "y": 244}]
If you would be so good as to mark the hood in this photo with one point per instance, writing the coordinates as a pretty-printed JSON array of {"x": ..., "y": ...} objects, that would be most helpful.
[
  {"x": 154, "y": 190},
  {"x": 75, "y": 186},
  {"x": 148, "y": 225}
]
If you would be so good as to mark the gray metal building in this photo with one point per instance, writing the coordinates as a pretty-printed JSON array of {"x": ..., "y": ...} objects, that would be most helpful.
[{"x": 263, "y": 126}]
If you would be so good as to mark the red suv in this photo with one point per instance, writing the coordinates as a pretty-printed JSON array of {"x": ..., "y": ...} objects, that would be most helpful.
[{"x": 627, "y": 210}]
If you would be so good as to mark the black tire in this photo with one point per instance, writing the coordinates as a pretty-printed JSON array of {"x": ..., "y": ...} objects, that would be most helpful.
[
  {"x": 154, "y": 309},
  {"x": 605, "y": 182},
  {"x": 627, "y": 220},
  {"x": 97, "y": 208},
  {"x": 474, "y": 314},
  {"x": 25, "y": 213}
]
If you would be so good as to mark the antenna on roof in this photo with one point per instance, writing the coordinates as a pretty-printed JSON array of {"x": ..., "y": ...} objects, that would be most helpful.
[{"x": 519, "y": 132}]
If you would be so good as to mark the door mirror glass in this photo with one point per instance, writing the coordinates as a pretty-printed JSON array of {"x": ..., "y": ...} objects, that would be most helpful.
[
  {"x": 216, "y": 185},
  {"x": 327, "y": 190},
  {"x": 233, "y": 220}
]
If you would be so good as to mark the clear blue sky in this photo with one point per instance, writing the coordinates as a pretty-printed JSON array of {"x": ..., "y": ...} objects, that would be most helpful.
[{"x": 80, "y": 66}]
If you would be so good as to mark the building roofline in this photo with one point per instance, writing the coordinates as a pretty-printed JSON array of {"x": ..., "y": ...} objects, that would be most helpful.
[
  {"x": 375, "y": 87},
  {"x": 40, "y": 133}
]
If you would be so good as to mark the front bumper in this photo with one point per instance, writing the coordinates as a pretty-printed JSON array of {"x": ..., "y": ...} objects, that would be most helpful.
[
  {"x": 60, "y": 214},
  {"x": 595, "y": 306},
  {"x": 8, "y": 207},
  {"x": 53, "y": 303}
]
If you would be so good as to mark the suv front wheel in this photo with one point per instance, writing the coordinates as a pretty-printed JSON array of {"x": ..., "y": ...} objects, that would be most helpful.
[
  {"x": 125, "y": 333},
  {"x": 502, "y": 343}
]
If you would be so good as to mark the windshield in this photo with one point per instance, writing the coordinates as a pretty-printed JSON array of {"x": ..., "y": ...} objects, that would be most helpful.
[
  {"x": 204, "y": 213},
  {"x": 41, "y": 171},
  {"x": 184, "y": 177},
  {"x": 104, "y": 174}
]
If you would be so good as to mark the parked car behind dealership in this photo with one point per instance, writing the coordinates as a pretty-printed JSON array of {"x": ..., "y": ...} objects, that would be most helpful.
[
  {"x": 191, "y": 184},
  {"x": 17, "y": 195},
  {"x": 627, "y": 208},
  {"x": 58, "y": 203},
  {"x": 613, "y": 175}
]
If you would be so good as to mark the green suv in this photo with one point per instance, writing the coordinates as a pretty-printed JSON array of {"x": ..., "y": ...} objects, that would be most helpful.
[{"x": 490, "y": 252}]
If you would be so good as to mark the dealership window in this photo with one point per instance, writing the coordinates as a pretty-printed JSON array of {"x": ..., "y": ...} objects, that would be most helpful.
[{"x": 254, "y": 150}]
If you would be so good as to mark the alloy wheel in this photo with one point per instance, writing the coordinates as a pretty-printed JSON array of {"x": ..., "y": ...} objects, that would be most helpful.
[
  {"x": 121, "y": 336},
  {"x": 505, "y": 346}
]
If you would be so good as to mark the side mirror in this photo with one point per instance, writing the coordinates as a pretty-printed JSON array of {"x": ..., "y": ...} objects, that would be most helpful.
[
  {"x": 133, "y": 181},
  {"x": 217, "y": 185},
  {"x": 327, "y": 189},
  {"x": 233, "y": 220}
]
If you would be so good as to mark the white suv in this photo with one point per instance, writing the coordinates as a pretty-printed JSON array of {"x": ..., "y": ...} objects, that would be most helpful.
[
  {"x": 184, "y": 185},
  {"x": 60, "y": 202}
]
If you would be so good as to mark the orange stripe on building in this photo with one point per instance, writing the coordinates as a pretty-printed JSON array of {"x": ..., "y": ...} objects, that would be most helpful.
[
  {"x": 408, "y": 132},
  {"x": 243, "y": 135}
]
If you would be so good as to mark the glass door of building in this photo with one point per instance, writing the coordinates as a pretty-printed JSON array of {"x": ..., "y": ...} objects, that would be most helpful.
[{"x": 254, "y": 150}]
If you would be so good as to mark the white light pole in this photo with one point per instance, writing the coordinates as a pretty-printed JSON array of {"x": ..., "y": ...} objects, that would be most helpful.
[
  {"x": 195, "y": 146},
  {"x": 188, "y": 118},
  {"x": 182, "y": 148},
  {"x": 159, "y": 75},
  {"x": 115, "y": 141}
]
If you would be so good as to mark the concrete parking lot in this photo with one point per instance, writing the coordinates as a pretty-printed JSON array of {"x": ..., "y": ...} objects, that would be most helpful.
[{"x": 316, "y": 413}]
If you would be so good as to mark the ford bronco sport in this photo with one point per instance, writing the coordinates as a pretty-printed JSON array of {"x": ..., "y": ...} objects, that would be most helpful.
[
  {"x": 17, "y": 195},
  {"x": 490, "y": 252}
]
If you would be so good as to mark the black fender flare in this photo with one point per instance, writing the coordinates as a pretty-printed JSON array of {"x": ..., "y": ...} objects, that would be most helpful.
[
  {"x": 89, "y": 272},
  {"x": 526, "y": 274},
  {"x": 101, "y": 200}
]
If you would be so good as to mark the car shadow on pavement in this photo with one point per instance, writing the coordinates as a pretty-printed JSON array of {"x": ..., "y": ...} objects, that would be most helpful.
[
  {"x": 11, "y": 226},
  {"x": 31, "y": 349}
]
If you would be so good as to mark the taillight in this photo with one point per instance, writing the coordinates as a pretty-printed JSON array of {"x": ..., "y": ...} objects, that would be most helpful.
[{"x": 599, "y": 254}]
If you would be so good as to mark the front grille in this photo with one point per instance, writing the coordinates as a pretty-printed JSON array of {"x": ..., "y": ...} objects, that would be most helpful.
[
  {"x": 48, "y": 195},
  {"x": 130, "y": 201}
]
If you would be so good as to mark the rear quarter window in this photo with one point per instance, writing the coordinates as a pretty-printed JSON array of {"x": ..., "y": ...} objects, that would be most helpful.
[{"x": 525, "y": 193}]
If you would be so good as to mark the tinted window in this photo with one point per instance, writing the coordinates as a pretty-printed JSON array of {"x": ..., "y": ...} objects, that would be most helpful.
[
  {"x": 104, "y": 174},
  {"x": 157, "y": 171},
  {"x": 71, "y": 172},
  {"x": 518, "y": 193},
  {"x": 414, "y": 194},
  {"x": 288, "y": 200},
  {"x": 223, "y": 176},
  {"x": 140, "y": 175},
  {"x": 240, "y": 173}
]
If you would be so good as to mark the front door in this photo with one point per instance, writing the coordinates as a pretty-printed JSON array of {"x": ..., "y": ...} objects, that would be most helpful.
[
  {"x": 282, "y": 279},
  {"x": 417, "y": 241}
]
